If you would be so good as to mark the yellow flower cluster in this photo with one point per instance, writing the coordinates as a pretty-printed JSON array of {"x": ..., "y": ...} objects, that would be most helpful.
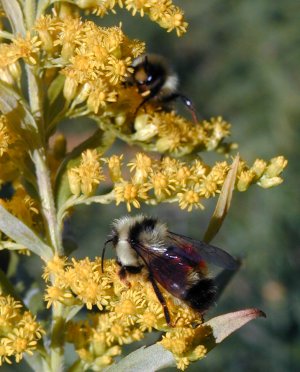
[
  {"x": 12, "y": 151},
  {"x": 186, "y": 344},
  {"x": 128, "y": 308},
  {"x": 19, "y": 331},
  {"x": 22, "y": 206},
  {"x": 167, "y": 132},
  {"x": 86, "y": 177},
  {"x": 163, "y": 12},
  {"x": 172, "y": 180}
]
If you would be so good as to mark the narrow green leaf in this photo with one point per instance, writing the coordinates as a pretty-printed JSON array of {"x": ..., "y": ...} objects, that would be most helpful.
[
  {"x": 55, "y": 88},
  {"x": 71, "y": 311},
  {"x": 223, "y": 203},
  {"x": 22, "y": 234},
  {"x": 145, "y": 359},
  {"x": 15, "y": 16},
  {"x": 223, "y": 325}
]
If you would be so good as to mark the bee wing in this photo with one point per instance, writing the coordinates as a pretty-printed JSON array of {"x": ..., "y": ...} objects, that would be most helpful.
[
  {"x": 201, "y": 251},
  {"x": 168, "y": 265}
]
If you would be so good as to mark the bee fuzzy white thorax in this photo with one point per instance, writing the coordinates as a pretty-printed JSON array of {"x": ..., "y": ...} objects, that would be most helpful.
[{"x": 137, "y": 230}]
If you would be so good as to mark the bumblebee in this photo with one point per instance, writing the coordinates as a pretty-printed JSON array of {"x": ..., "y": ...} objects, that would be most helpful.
[
  {"x": 176, "y": 262},
  {"x": 157, "y": 81}
]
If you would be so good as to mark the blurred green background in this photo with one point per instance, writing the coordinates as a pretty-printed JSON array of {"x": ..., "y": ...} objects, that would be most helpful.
[{"x": 239, "y": 59}]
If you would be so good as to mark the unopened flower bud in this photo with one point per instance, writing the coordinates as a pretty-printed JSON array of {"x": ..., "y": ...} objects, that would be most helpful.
[
  {"x": 74, "y": 181},
  {"x": 276, "y": 166},
  {"x": 258, "y": 168},
  {"x": 70, "y": 88},
  {"x": 266, "y": 183},
  {"x": 244, "y": 180}
]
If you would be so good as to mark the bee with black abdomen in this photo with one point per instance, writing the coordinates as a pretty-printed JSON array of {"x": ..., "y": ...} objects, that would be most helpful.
[
  {"x": 156, "y": 80},
  {"x": 176, "y": 262}
]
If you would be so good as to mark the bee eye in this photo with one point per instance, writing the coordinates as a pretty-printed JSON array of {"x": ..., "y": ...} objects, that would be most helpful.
[{"x": 149, "y": 78}]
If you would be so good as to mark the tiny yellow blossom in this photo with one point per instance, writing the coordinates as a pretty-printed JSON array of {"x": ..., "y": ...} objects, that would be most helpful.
[
  {"x": 88, "y": 174},
  {"x": 189, "y": 199},
  {"x": 142, "y": 165},
  {"x": 114, "y": 166},
  {"x": 27, "y": 48},
  {"x": 130, "y": 193},
  {"x": 19, "y": 331}
]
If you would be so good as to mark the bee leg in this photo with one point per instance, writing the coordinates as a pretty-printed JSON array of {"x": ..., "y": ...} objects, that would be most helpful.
[
  {"x": 187, "y": 103},
  {"x": 144, "y": 101},
  {"x": 162, "y": 300},
  {"x": 123, "y": 276}
]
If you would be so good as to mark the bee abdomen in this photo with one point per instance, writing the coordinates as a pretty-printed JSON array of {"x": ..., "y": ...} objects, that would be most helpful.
[{"x": 201, "y": 295}]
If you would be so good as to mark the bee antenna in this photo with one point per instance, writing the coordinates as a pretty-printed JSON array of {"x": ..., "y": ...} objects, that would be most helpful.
[{"x": 103, "y": 253}]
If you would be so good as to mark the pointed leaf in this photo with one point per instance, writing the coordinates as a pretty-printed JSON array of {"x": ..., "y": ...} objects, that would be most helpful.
[
  {"x": 22, "y": 234},
  {"x": 223, "y": 203},
  {"x": 223, "y": 325},
  {"x": 145, "y": 359}
]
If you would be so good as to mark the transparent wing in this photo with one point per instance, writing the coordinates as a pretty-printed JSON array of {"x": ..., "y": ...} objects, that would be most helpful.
[{"x": 196, "y": 249}]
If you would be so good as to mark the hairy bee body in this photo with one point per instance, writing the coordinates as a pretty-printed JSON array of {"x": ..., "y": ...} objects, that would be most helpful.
[{"x": 176, "y": 262}]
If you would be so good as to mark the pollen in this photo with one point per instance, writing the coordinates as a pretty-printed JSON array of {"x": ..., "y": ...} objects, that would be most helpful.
[
  {"x": 87, "y": 176},
  {"x": 130, "y": 193},
  {"x": 189, "y": 199},
  {"x": 27, "y": 48}
]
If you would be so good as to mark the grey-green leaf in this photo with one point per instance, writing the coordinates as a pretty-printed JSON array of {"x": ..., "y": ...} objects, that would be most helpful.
[
  {"x": 22, "y": 234},
  {"x": 15, "y": 16},
  {"x": 223, "y": 325},
  {"x": 145, "y": 359}
]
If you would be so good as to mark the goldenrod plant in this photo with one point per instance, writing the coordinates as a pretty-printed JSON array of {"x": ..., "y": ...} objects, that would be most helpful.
[{"x": 56, "y": 63}]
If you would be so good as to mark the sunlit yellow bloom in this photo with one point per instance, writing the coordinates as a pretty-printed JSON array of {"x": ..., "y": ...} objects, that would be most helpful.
[
  {"x": 174, "y": 19},
  {"x": 46, "y": 25},
  {"x": 276, "y": 166},
  {"x": 19, "y": 331},
  {"x": 22, "y": 206},
  {"x": 129, "y": 193},
  {"x": 114, "y": 166},
  {"x": 70, "y": 35},
  {"x": 118, "y": 70},
  {"x": 245, "y": 179},
  {"x": 54, "y": 294},
  {"x": 259, "y": 167},
  {"x": 142, "y": 165},
  {"x": 56, "y": 266},
  {"x": 88, "y": 174},
  {"x": 184, "y": 343},
  {"x": 137, "y": 6},
  {"x": 5, "y": 352},
  {"x": 163, "y": 185},
  {"x": 100, "y": 95},
  {"x": 27, "y": 48},
  {"x": 189, "y": 199}
]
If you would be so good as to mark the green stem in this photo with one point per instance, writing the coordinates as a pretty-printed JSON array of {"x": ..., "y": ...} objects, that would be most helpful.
[
  {"x": 76, "y": 200},
  {"x": 57, "y": 339},
  {"x": 47, "y": 199}
]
